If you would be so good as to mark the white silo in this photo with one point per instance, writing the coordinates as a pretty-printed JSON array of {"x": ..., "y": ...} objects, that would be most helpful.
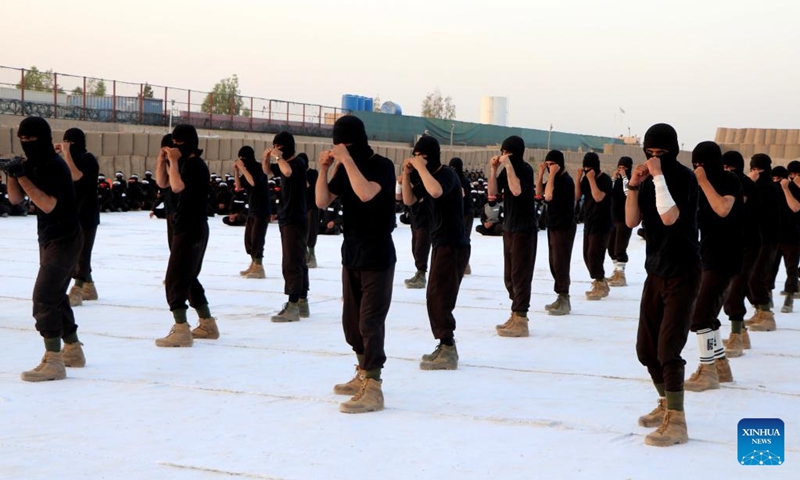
[{"x": 494, "y": 110}]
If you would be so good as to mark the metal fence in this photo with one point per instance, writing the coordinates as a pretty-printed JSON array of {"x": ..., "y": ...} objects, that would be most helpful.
[{"x": 49, "y": 94}]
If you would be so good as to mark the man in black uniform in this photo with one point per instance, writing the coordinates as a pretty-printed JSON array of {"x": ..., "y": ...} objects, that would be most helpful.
[
  {"x": 559, "y": 196},
  {"x": 662, "y": 194},
  {"x": 739, "y": 339},
  {"x": 721, "y": 221},
  {"x": 469, "y": 213},
  {"x": 620, "y": 233},
  {"x": 365, "y": 182},
  {"x": 595, "y": 188},
  {"x": 420, "y": 237},
  {"x": 187, "y": 176},
  {"x": 770, "y": 226},
  {"x": 520, "y": 230},
  {"x": 444, "y": 198},
  {"x": 255, "y": 231},
  {"x": 84, "y": 169},
  {"x": 789, "y": 238},
  {"x": 293, "y": 222},
  {"x": 45, "y": 178}
]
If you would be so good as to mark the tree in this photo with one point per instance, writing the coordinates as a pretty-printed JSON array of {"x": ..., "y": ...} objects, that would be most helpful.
[
  {"x": 77, "y": 91},
  {"x": 436, "y": 106},
  {"x": 246, "y": 112},
  {"x": 147, "y": 91},
  {"x": 225, "y": 97},
  {"x": 96, "y": 88},
  {"x": 376, "y": 103},
  {"x": 35, "y": 79}
]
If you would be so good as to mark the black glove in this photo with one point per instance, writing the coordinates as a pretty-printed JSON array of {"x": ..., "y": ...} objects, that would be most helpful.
[{"x": 16, "y": 170}]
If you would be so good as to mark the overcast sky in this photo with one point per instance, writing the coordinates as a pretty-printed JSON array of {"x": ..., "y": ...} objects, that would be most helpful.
[{"x": 696, "y": 64}]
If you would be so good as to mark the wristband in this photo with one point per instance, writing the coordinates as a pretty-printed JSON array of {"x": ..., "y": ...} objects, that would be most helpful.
[
  {"x": 491, "y": 198},
  {"x": 664, "y": 199},
  {"x": 398, "y": 188}
]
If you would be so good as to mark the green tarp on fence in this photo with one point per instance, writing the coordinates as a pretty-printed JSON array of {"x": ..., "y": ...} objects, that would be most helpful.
[{"x": 403, "y": 128}]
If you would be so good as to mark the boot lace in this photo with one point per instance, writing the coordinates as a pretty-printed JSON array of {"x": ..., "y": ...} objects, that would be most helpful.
[
  {"x": 697, "y": 372},
  {"x": 665, "y": 423},
  {"x": 362, "y": 390},
  {"x": 657, "y": 411}
]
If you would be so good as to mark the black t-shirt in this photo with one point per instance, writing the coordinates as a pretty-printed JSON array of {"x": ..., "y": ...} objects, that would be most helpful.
[
  {"x": 752, "y": 209},
  {"x": 561, "y": 208},
  {"x": 770, "y": 213},
  {"x": 258, "y": 194},
  {"x": 420, "y": 211},
  {"x": 86, "y": 191},
  {"x": 618, "y": 199},
  {"x": 170, "y": 200},
  {"x": 53, "y": 178},
  {"x": 790, "y": 230},
  {"x": 722, "y": 239},
  {"x": 519, "y": 211},
  {"x": 597, "y": 215},
  {"x": 311, "y": 189},
  {"x": 191, "y": 204},
  {"x": 367, "y": 225},
  {"x": 672, "y": 250},
  {"x": 446, "y": 212},
  {"x": 292, "y": 207},
  {"x": 467, "y": 199}
]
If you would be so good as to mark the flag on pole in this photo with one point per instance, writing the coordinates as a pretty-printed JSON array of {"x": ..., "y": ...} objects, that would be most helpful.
[{"x": 621, "y": 110}]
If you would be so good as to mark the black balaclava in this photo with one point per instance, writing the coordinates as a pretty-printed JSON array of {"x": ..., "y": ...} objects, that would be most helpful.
[
  {"x": 592, "y": 160},
  {"x": 665, "y": 137},
  {"x": 515, "y": 146},
  {"x": 166, "y": 141},
  {"x": 42, "y": 148},
  {"x": 429, "y": 147},
  {"x": 709, "y": 156},
  {"x": 626, "y": 162},
  {"x": 247, "y": 154},
  {"x": 458, "y": 165},
  {"x": 350, "y": 130},
  {"x": 557, "y": 157},
  {"x": 763, "y": 162},
  {"x": 188, "y": 135},
  {"x": 78, "y": 139},
  {"x": 286, "y": 142},
  {"x": 734, "y": 160},
  {"x": 780, "y": 172},
  {"x": 794, "y": 167}
]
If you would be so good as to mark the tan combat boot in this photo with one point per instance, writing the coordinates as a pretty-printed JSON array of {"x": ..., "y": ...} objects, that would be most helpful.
[
  {"x": 89, "y": 292},
  {"x": 788, "y": 304},
  {"x": 564, "y": 306},
  {"x": 207, "y": 329},
  {"x": 656, "y": 417},
  {"x": 72, "y": 355},
  {"x": 704, "y": 378},
  {"x": 599, "y": 290},
  {"x": 249, "y": 269},
  {"x": 506, "y": 324},
  {"x": 756, "y": 318},
  {"x": 671, "y": 432},
  {"x": 745, "y": 339},
  {"x": 352, "y": 387},
  {"x": 733, "y": 346},
  {"x": 75, "y": 296},
  {"x": 518, "y": 327},
  {"x": 767, "y": 323},
  {"x": 368, "y": 399},
  {"x": 256, "y": 272},
  {"x": 289, "y": 313},
  {"x": 468, "y": 270},
  {"x": 179, "y": 336},
  {"x": 51, "y": 368},
  {"x": 302, "y": 306},
  {"x": 554, "y": 305},
  {"x": 618, "y": 279},
  {"x": 445, "y": 357},
  {"x": 724, "y": 374},
  {"x": 417, "y": 281}
]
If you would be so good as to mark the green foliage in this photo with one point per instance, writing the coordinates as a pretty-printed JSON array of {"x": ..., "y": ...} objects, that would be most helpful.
[
  {"x": 36, "y": 79},
  {"x": 436, "y": 106},
  {"x": 225, "y": 98},
  {"x": 147, "y": 91}
]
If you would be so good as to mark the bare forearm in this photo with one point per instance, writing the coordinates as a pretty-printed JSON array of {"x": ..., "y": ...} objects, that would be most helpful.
[
  {"x": 492, "y": 183},
  {"x": 632, "y": 214},
  {"x": 433, "y": 187},
  {"x": 597, "y": 194},
  {"x": 540, "y": 185},
  {"x": 578, "y": 189},
  {"x": 73, "y": 169},
  {"x": 15, "y": 193},
  {"x": 363, "y": 188},
  {"x": 794, "y": 205},
  {"x": 408, "y": 194},
  {"x": 548, "y": 191},
  {"x": 162, "y": 177},
  {"x": 286, "y": 169},
  {"x": 45, "y": 202},
  {"x": 175, "y": 180},
  {"x": 323, "y": 195},
  {"x": 513, "y": 181}
]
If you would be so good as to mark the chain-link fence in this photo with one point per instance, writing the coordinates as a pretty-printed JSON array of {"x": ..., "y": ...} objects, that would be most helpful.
[{"x": 49, "y": 94}]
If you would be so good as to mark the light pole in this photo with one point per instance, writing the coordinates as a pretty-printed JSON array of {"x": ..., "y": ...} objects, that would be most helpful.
[
  {"x": 171, "y": 112},
  {"x": 452, "y": 129},
  {"x": 548, "y": 136}
]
